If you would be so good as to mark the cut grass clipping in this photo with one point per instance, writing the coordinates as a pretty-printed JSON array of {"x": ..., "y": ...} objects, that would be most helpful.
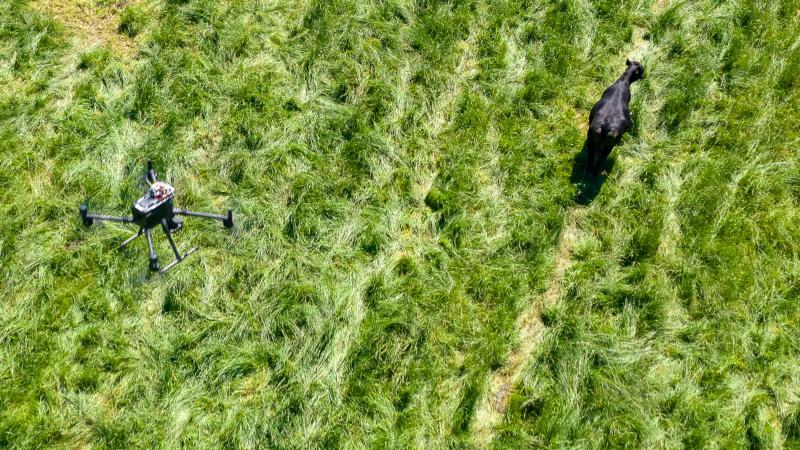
[{"x": 403, "y": 172}]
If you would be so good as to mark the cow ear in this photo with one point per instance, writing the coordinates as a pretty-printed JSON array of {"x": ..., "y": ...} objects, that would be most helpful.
[{"x": 627, "y": 62}]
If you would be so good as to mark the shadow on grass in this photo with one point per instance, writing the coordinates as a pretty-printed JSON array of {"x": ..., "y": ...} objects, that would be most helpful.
[{"x": 588, "y": 185}]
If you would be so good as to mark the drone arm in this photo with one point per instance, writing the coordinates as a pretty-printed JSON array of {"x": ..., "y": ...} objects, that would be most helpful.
[
  {"x": 89, "y": 219},
  {"x": 227, "y": 220},
  {"x": 110, "y": 218}
]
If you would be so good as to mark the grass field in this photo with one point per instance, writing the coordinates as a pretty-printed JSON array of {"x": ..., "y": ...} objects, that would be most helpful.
[{"x": 416, "y": 262}]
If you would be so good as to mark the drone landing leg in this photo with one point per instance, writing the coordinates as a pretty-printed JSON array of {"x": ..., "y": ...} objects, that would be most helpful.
[
  {"x": 130, "y": 239},
  {"x": 178, "y": 257},
  {"x": 153, "y": 256}
]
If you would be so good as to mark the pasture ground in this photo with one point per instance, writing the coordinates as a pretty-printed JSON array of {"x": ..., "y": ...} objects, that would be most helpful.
[{"x": 406, "y": 176}]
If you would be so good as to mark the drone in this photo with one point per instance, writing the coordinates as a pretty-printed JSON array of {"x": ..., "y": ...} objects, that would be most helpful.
[{"x": 156, "y": 208}]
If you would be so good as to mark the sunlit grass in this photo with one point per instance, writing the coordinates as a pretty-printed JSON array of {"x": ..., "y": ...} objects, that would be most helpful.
[{"x": 400, "y": 172}]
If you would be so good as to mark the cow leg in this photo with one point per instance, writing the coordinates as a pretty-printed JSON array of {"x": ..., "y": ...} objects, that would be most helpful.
[
  {"x": 604, "y": 156},
  {"x": 597, "y": 160}
]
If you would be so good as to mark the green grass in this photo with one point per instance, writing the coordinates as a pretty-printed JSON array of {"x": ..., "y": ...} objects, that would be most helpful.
[
  {"x": 132, "y": 20},
  {"x": 401, "y": 174}
]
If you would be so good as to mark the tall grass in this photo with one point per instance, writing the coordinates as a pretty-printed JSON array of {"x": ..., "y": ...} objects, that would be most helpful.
[
  {"x": 401, "y": 172},
  {"x": 678, "y": 326}
]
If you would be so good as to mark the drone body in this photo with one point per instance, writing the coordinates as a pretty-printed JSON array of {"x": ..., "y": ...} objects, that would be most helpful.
[{"x": 156, "y": 208}]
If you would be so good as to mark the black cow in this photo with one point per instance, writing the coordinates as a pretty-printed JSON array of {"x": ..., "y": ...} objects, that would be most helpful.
[{"x": 611, "y": 117}]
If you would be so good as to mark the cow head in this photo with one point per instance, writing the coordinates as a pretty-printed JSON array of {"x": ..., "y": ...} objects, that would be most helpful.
[{"x": 636, "y": 69}]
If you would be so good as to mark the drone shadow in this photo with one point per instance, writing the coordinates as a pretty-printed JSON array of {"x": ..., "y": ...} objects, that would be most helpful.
[{"x": 588, "y": 185}]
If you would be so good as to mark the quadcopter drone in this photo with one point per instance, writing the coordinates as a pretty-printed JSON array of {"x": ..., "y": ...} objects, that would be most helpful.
[{"x": 156, "y": 208}]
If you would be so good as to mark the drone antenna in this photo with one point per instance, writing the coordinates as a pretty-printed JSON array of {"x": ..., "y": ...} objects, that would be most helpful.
[{"x": 150, "y": 177}]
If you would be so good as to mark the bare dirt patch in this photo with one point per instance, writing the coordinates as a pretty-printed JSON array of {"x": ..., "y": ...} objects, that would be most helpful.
[{"x": 90, "y": 23}]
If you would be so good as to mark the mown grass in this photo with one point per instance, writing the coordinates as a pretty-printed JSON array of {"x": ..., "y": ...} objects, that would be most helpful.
[{"x": 400, "y": 172}]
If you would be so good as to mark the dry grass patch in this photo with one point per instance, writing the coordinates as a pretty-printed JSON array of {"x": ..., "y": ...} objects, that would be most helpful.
[
  {"x": 93, "y": 24},
  {"x": 531, "y": 330}
]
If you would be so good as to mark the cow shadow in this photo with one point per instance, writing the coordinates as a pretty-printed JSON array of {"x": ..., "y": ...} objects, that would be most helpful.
[{"x": 588, "y": 185}]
